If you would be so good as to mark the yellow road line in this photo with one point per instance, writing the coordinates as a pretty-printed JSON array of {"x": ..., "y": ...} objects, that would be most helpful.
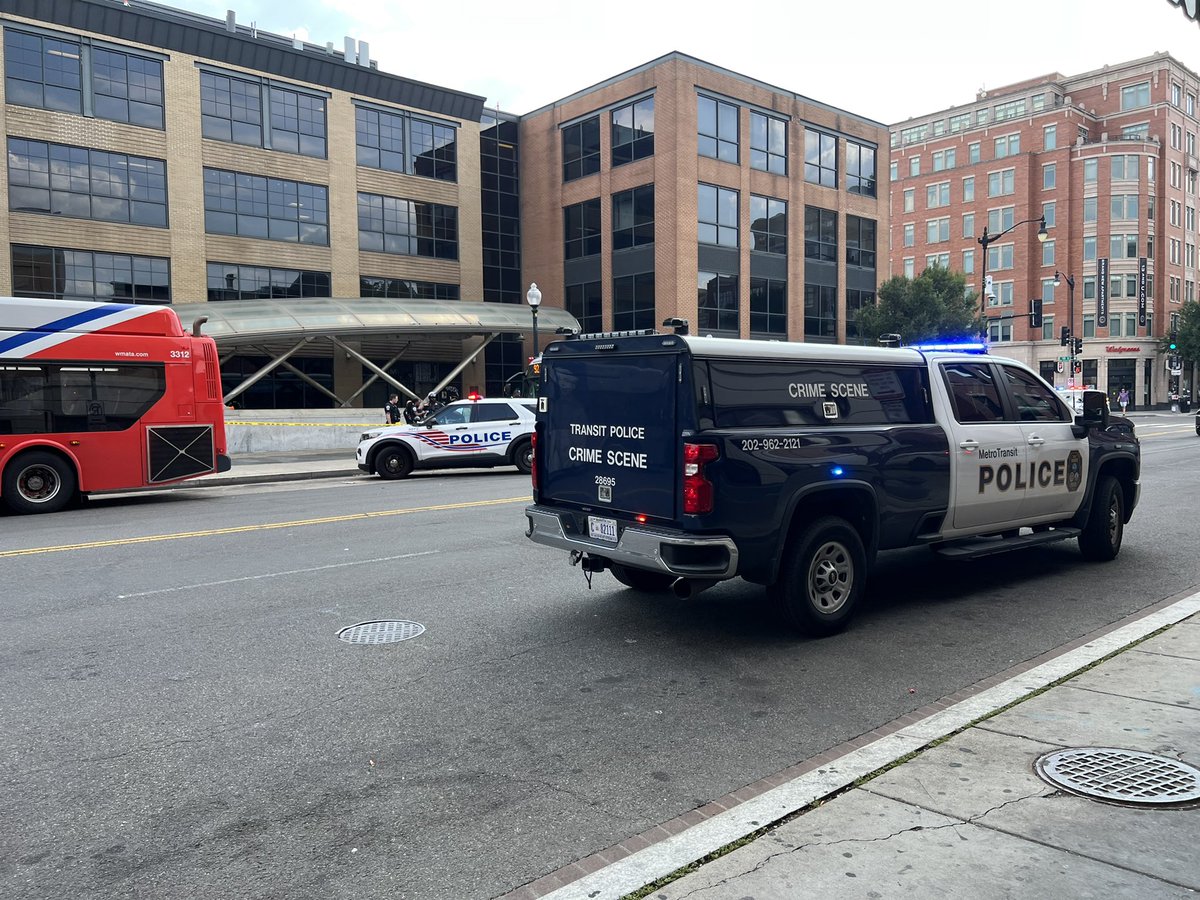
[{"x": 243, "y": 529}]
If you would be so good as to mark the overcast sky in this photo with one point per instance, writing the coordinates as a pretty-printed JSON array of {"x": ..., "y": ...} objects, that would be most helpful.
[{"x": 884, "y": 60}]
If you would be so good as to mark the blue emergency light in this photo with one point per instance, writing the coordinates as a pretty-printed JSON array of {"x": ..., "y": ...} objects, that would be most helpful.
[{"x": 954, "y": 347}]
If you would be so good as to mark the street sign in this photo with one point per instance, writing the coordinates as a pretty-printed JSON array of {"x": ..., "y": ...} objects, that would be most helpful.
[{"x": 1064, "y": 359}]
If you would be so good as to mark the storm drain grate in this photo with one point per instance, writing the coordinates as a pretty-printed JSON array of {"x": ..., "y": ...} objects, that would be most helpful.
[
  {"x": 1121, "y": 776},
  {"x": 386, "y": 632}
]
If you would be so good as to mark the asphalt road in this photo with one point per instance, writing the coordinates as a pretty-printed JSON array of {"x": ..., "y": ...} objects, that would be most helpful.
[{"x": 179, "y": 719}]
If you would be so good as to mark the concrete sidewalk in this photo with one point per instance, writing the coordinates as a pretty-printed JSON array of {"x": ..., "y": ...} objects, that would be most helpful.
[
  {"x": 282, "y": 465},
  {"x": 967, "y": 815}
]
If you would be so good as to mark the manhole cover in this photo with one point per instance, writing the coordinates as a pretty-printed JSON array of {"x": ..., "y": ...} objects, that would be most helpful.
[
  {"x": 1121, "y": 776},
  {"x": 380, "y": 632}
]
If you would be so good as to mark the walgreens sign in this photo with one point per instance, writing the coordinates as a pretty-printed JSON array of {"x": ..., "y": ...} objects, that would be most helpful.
[{"x": 1190, "y": 7}]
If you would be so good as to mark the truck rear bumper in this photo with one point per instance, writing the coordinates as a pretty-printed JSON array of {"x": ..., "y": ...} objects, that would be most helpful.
[{"x": 639, "y": 546}]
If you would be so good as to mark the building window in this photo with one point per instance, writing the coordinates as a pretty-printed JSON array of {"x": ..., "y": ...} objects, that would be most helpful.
[
  {"x": 1089, "y": 249},
  {"x": 1125, "y": 168},
  {"x": 1000, "y": 257},
  {"x": 583, "y": 301},
  {"x": 1050, "y": 137},
  {"x": 1049, "y": 175},
  {"x": 58, "y": 273},
  {"x": 1089, "y": 209},
  {"x": 968, "y": 262},
  {"x": 1139, "y": 132},
  {"x": 820, "y": 313},
  {"x": 717, "y": 303},
  {"x": 633, "y": 217},
  {"x": 968, "y": 189},
  {"x": 1000, "y": 332},
  {"x": 232, "y": 109},
  {"x": 960, "y": 122},
  {"x": 909, "y": 200},
  {"x": 1048, "y": 253},
  {"x": 937, "y": 230},
  {"x": 820, "y": 234},
  {"x": 1001, "y": 219},
  {"x": 228, "y": 281},
  {"x": 860, "y": 169},
  {"x": 1049, "y": 213},
  {"x": 1048, "y": 328},
  {"x": 968, "y": 225},
  {"x": 1089, "y": 325},
  {"x": 1001, "y": 184},
  {"x": 718, "y": 215},
  {"x": 1124, "y": 246},
  {"x": 768, "y": 144},
  {"x": 270, "y": 208},
  {"x": 407, "y": 227},
  {"x": 1089, "y": 171},
  {"x": 1013, "y": 109},
  {"x": 894, "y": 171},
  {"x": 633, "y": 302},
  {"x": 943, "y": 159},
  {"x": 973, "y": 153},
  {"x": 768, "y": 224},
  {"x": 1135, "y": 96},
  {"x": 399, "y": 142},
  {"x": 860, "y": 242},
  {"x": 768, "y": 308},
  {"x": 581, "y": 149},
  {"x": 86, "y": 184},
  {"x": 937, "y": 195},
  {"x": 1008, "y": 145},
  {"x": 914, "y": 165},
  {"x": 820, "y": 159},
  {"x": 83, "y": 78},
  {"x": 1047, "y": 291},
  {"x": 910, "y": 234},
  {"x": 909, "y": 267},
  {"x": 633, "y": 131},
  {"x": 581, "y": 229},
  {"x": 938, "y": 260},
  {"x": 1124, "y": 206},
  {"x": 717, "y": 129},
  {"x": 399, "y": 288},
  {"x": 855, "y": 302}
]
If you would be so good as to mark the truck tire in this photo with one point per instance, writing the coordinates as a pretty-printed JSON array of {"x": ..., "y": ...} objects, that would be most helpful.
[
  {"x": 522, "y": 456},
  {"x": 39, "y": 482},
  {"x": 821, "y": 577},
  {"x": 1101, "y": 536},
  {"x": 640, "y": 579},
  {"x": 393, "y": 462}
]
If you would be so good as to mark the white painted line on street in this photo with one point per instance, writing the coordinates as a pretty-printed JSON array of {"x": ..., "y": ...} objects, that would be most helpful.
[
  {"x": 357, "y": 562},
  {"x": 661, "y": 859}
]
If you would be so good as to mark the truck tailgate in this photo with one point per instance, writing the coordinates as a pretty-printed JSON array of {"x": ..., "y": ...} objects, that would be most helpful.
[{"x": 604, "y": 443}]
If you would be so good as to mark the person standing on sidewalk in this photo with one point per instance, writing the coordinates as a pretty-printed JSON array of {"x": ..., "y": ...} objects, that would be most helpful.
[
  {"x": 391, "y": 410},
  {"x": 1123, "y": 399}
]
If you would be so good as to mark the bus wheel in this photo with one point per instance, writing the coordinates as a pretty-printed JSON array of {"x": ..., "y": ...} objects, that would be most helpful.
[
  {"x": 38, "y": 482},
  {"x": 523, "y": 457},
  {"x": 393, "y": 462},
  {"x": 822, "y": 577}
]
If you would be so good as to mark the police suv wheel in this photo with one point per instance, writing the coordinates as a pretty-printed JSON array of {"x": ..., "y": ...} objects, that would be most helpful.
[
  {"x": 640, "y": 579},
  {"x": 822, "y": 577},
  {"x": 38, "y": 482},
  {"x": 523, "y": 457},
  {"x": 393, "y": 462},
  {"x": 1101, "y": 536}
]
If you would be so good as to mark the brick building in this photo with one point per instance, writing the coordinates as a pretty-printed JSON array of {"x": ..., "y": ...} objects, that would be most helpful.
[
  {"x": 681, "y": 189},
  {"x": 1109, "y": 159}
]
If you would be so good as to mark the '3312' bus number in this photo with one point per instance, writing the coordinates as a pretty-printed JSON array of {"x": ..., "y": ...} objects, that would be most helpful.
[{"x": 181, "y": 354}]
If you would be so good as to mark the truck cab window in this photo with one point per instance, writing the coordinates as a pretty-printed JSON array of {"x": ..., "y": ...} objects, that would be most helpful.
[{"x": 974, "y": 392}]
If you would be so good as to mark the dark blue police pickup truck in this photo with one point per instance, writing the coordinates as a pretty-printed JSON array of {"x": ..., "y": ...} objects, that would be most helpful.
[{"x": 675, "y": 462}]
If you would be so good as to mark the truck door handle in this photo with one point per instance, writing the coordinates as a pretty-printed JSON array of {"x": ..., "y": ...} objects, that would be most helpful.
[
  {"x": 969, "y": 444},
  {"x": 1035, "y": 441}
]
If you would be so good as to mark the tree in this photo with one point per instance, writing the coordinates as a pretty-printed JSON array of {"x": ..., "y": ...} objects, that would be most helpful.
[
  {"x": 1187, "y": 334},
  {"x": 934, "y": 306}
]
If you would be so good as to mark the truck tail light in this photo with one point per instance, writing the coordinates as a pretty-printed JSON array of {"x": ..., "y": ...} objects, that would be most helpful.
[
  {"x": 697, "y": 490},
  {"x": 533, "y": 458}
]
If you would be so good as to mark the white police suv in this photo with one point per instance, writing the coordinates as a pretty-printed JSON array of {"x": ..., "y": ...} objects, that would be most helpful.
[{"x": 473, "y": 433}]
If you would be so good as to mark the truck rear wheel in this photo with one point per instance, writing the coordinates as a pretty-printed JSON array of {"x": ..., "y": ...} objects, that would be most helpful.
[
  {"x": 393, "y": 462},
  {"x": 1101, "y": 536},
  {"x": 640, "y": 579},
  {"x": 522, "y": 457},
  {"x": 822, "y": 577}
]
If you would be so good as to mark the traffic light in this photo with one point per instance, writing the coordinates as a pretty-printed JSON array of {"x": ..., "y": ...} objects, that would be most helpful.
[
  {"x": 1064, "y": 335},
  {"x": 1078, "y": 366},
  {"x": 1173, "y": 346},
  {"x": 1078, "y": 347},
  {"x": 1035, "y": 313}
]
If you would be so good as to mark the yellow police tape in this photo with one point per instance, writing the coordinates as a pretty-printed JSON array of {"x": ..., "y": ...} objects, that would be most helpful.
[{"x": 229, "y": 422}]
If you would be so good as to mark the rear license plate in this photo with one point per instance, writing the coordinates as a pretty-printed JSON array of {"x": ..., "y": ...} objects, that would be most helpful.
[{"x": 602, "y": 529}]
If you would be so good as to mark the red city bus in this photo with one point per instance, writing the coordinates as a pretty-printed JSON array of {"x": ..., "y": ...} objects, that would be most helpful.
[{"x": 103, "y": 397}]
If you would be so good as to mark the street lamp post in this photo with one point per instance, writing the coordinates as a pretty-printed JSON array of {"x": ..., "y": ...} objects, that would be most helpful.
[
  {"x": 985, "y": 240},
  {"x": 1059, "y": 278},
  {"x": 534, "y": 298}
]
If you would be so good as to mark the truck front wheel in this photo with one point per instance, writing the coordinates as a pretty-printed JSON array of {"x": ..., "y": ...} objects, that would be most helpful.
[
  {"x": 1101, "y": 536},
  {"x": 822, "y": 577},
  {"x": 640, "y": 579}
]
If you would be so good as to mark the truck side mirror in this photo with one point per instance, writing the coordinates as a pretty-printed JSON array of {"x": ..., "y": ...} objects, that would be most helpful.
[{"x": 1095, "y": 409}]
